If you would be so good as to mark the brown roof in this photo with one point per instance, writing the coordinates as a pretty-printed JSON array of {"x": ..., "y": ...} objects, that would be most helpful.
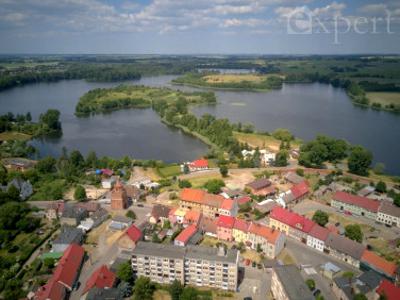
[
  {"x": 389, "y": 209},
  {"x": 160, "y": 211},
  {"x": 345, "y": 245},
  {"x": 208, "y": 225},
  {"x": 259, "y": 184},
  {"x": 293, "y": 178}
]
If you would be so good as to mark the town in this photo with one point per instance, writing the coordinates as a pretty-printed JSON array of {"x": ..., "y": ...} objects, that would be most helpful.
[{"x": 266, "y": 233}]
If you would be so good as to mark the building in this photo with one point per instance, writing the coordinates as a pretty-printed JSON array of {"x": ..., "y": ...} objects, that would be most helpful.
[
  {"x": 18, "y": 164},
  {"x": 99, "y": 216},
  {"x": 208, "y": 226},
  {"x": 267, "y": 158},
  {"x": 299, "y": 192},
  {"x": 65, "y": 275},
  {"x": 293, "y": 178},
  {"x": 107, "y": 183},
  {"x": 73, "y": 214},
  {"x": 196, "y": 165},
  {"x": 356, "y": 205},
  {"x": 389, "y": 214},
  {"x": 269, "y": 240},
  {"x": 177, "y": 215},
  {"x": 102, "y": 278},
  {"x": 192, "y": 217},
  {"x": 196, "y": 199},
  {"x": 119, "y": 198},
  {"x": 261, "y": 187},
  {"x": 225, "y": 228},
  {"x": 194, "y": 265},
  {"x": 130, "y": 238},
  {"x": 287, "y": 284},
  {"x": 119, "y": 223},
  {"x": 317, "y": 236},
  {"x": 159, "y": 213},
  {"x": 24, "y": 187},
  {"x": 68, "y": 235},
  {"x": 240, "y": 230},
  {"x": 228, "y": 207},
  {"x": 372, "y": 261},
  {"x": 344, "y": 249},
  {"x": 105, "y": 294},
  {"x": 389, "y": 290},
  {"x": 54, "y": 210},
  {"x": 184, "y": 237}
]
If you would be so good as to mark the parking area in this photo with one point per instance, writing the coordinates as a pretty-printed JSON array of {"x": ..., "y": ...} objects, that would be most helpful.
[{"x": 254, "y": 283}]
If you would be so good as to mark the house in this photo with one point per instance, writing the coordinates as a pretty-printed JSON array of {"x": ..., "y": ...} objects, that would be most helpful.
[
  {"x": 389, "y": 290},
  {"x": 208, "y": 226},
  {"x": 267, "y": 158},
  {"x": 330, "y": 270},
  {"x": 317, "y": 236},
  {"x": 240, "y": 230},
  {"x": 278, "y": 219},
  {"x": 261, "y": 187},
  {"x": 23, "y": 186},
  {"x": 192, "y": 217},
  {"x": 293, "y": 178},
  {"x": 134, "y": 193},
  {"x": 99, "y": 216},
  {"x": 86, "y": 225},
  {"x": 243, "y": 200},
  {"x": 54, "y": 210},
  {"x": 298, "y": 192},
  {"x": 183, "y": 238},
  {"x": 356, "y": 205},
  {"x": 366, "y": 191},
  {"x": 372, "y": 261},
  {"x": 344, "y": 249},
  {"x": 18, "y": 164},
  {"x": 65, "y": 275},
  {"x": 107, "y": 183},
  {"x": 73, "y": 214},
  {"x": 196, "y": 165},
  {"x": 130, "y": 238},
  {"x": 90, "y": 206},
  {"x": 265, "y": 206},
  {"x": 68, "y": 235},
  {"x": 119, "y": 198},
  {"x": 159, "y": 213},
  {"x": 288, "y": 284},
  {"x": 228, "y": 207},
  {"x": 119, "y": 222},
  {"x": 105, "y": 294},
  {"x": 225, "y": 228},
  {"x": 196, "y": 199},
  {"x": 389, "y": 214},
  {"x": 107, "y": 172},
  {"x": 101, "y": 278},
  {"x": 269, "y": 240},
  {"x": 177, "y": 215}
]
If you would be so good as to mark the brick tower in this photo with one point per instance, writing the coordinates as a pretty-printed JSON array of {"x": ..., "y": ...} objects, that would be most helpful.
[{"x": 119, "y": 199}]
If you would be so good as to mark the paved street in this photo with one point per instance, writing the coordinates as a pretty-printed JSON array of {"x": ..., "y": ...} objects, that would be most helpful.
[{"x": 256, "y": 283}]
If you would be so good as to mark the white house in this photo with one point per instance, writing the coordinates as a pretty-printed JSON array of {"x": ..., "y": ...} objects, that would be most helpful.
[
  {"x": 267, "y": 158},
  {"x": 389, "y": 214},
  {"x": 317, "y": 236},
  {"x": 229, "y": 207},
  {"x": 107, "y": 183}
]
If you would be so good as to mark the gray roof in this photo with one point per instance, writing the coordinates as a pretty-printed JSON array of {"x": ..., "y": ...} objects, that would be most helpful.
[
  {"x": 191, "y": 252},
  {"x": 389, "y": 209},
  {"x": 104, "y": 294},
  {"x": 259, "y": 183},
  {"x": 371, "y": 278},
  {"x": 68, "y": 235},
  {"x": 331, "y": 267},
  {"x": 293, "y": 283},
  {"x": 122, "y": 219},
  {"x": 294, "y": 178},
  {"x": 98, "y": 214},
  {"x": 160, "y": 211},
  {"x": 351, "y": 287},
  {"x": 345, "y": 245},
  {"x": 73, "y": 211}
]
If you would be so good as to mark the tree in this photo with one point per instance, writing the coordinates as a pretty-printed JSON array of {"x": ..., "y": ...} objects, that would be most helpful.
[
  {"x": 13, "y": 193},
  {"x": 360, "y": 297},
  {"x": 189, "y": 293},
  {"x": 311, "y": 284},
  {"x": 281, "y": 159},
  {"x": 359, "y": 161},
  {"x": 223, "y": 170},
  {"x": 91, "y": 160},
  {"x": 143, "y": 289},
  {"x": 76, "y": 159},
  {"x": 354, "y": 232},
  {"x": 80, "y": 193},
  {"x": 3, "y": 175},
  {"x": 380, "y": 187},
  {"x": 320, "y": 217},
  {"x": 175, "y": 290},
  {"x": 51, "y": 120},
  {"x": 124, "y": 272},
  {"x": 130, "y": 214},
  {"x": 184, "y": 184},
  {"x": 28, "y": 116},
  {"x": 282, "y": 134},
  {"x": 214, "y": 185},
  {"x": 379, "y": 168},
  {"x": 186, "y": 169},
  {"x": 46, "y": 165},
  {"x": 49, "y": 262}
]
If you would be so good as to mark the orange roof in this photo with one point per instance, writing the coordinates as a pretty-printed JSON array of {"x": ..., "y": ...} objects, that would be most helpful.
[
  {"x": 186, "y": 234},
  {"x": 199, "y": 163},
  {"x": 193, "y": 216},
  {"x": 241, "y": 225},
  {"x": 101, "y": 278},
  {"x": 201, "y": 197},
  {"x": 379, "y": 263},
  {"x": 271, "y": 235},
  {"x": 227, "y": 204}
]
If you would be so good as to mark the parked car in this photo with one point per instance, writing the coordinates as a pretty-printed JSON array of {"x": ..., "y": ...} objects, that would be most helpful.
[
  {"x": 316, "y": 292},
  {"x": 140, "y": 205}
]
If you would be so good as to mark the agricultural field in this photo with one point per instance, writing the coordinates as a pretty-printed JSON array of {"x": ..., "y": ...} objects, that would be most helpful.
[
  {"x": 11, "y": 135},
  {"x": 262, "y": 141},
  {"x": 384, "y": 98},
  {"x": 236, "y": 78}
]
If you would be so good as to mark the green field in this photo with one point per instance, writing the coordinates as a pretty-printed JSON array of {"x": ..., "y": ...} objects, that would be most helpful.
[
  {"x": 11, "y": 135},
  {"x": 384, "y": 98},
  {"x": 169, "y": 171}
]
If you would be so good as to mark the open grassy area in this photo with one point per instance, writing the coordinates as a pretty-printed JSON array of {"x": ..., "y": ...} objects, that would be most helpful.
[
  {"x": 262, "y": 141},
  {"x": 384, "y": 98},
  {"x": 11, "y": 135},
  {"x": 236, "y": 78},
  {"x": 198, "y": 182},
  {"x": 161, "y": 295},
  {"x": 169, "y": 171}
]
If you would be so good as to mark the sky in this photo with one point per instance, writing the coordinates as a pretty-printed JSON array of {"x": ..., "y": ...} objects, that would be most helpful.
[{"x": 289, "y": 27}]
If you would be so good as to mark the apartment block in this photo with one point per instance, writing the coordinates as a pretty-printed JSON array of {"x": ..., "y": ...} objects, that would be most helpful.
[{"x": 192, "y": 265}]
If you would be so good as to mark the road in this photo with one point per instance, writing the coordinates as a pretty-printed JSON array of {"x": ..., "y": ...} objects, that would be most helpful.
[{"x": 309, "y": 256}]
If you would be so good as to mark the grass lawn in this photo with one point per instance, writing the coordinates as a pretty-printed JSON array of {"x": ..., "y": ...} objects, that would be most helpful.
[
  {"x": 382, "y": 247},
  {"x": 198, "y": 182},
  {"x": 384, "y": 98},
  {"x": 169, "y": 171},
  {"x": 11, "y": 135},
  {"x": 161, "y": 295},
  {"x": 262, "y": 141}
]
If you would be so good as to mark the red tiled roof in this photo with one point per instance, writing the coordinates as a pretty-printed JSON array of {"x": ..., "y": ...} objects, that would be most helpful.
[
  {"x": 227, "y": 204},
  {"x": 199, "y": 163},
  {"x": 192, "y": 216},
  {"x": 186, "y": 234},
  {"x": 243, "y": 200},
  {"x": 387, "y": 288},
  {"x": 208, "y": 225},
  {"x": 300, "y": 189},
  {"x": 379, "y": 263},
  {"x": 107, "y": 172},
  {"x": 319, "y": 232},
  {"x": 241, "y": 225},
  {"x": 52, "y": 290},
  {"x": 225, "y": 221},
  {"x": 271, "y": 235},
  {"x": 366, "y": 203},
  {"x": 292, "y": 219},
  {"x": 201, "y": 197},
  {"x": 134, "y": 233},
  {"x": 101, "y": 278}
]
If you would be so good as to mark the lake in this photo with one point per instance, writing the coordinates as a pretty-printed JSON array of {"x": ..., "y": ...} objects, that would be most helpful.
[{"x": 305, "y": 109}]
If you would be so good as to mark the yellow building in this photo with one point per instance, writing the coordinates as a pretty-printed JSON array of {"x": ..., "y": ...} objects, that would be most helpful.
[
  {"x": 195, "y": 199},
  {"x": 240, "y": 229},
  {"x": 273, "y": 223}
]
